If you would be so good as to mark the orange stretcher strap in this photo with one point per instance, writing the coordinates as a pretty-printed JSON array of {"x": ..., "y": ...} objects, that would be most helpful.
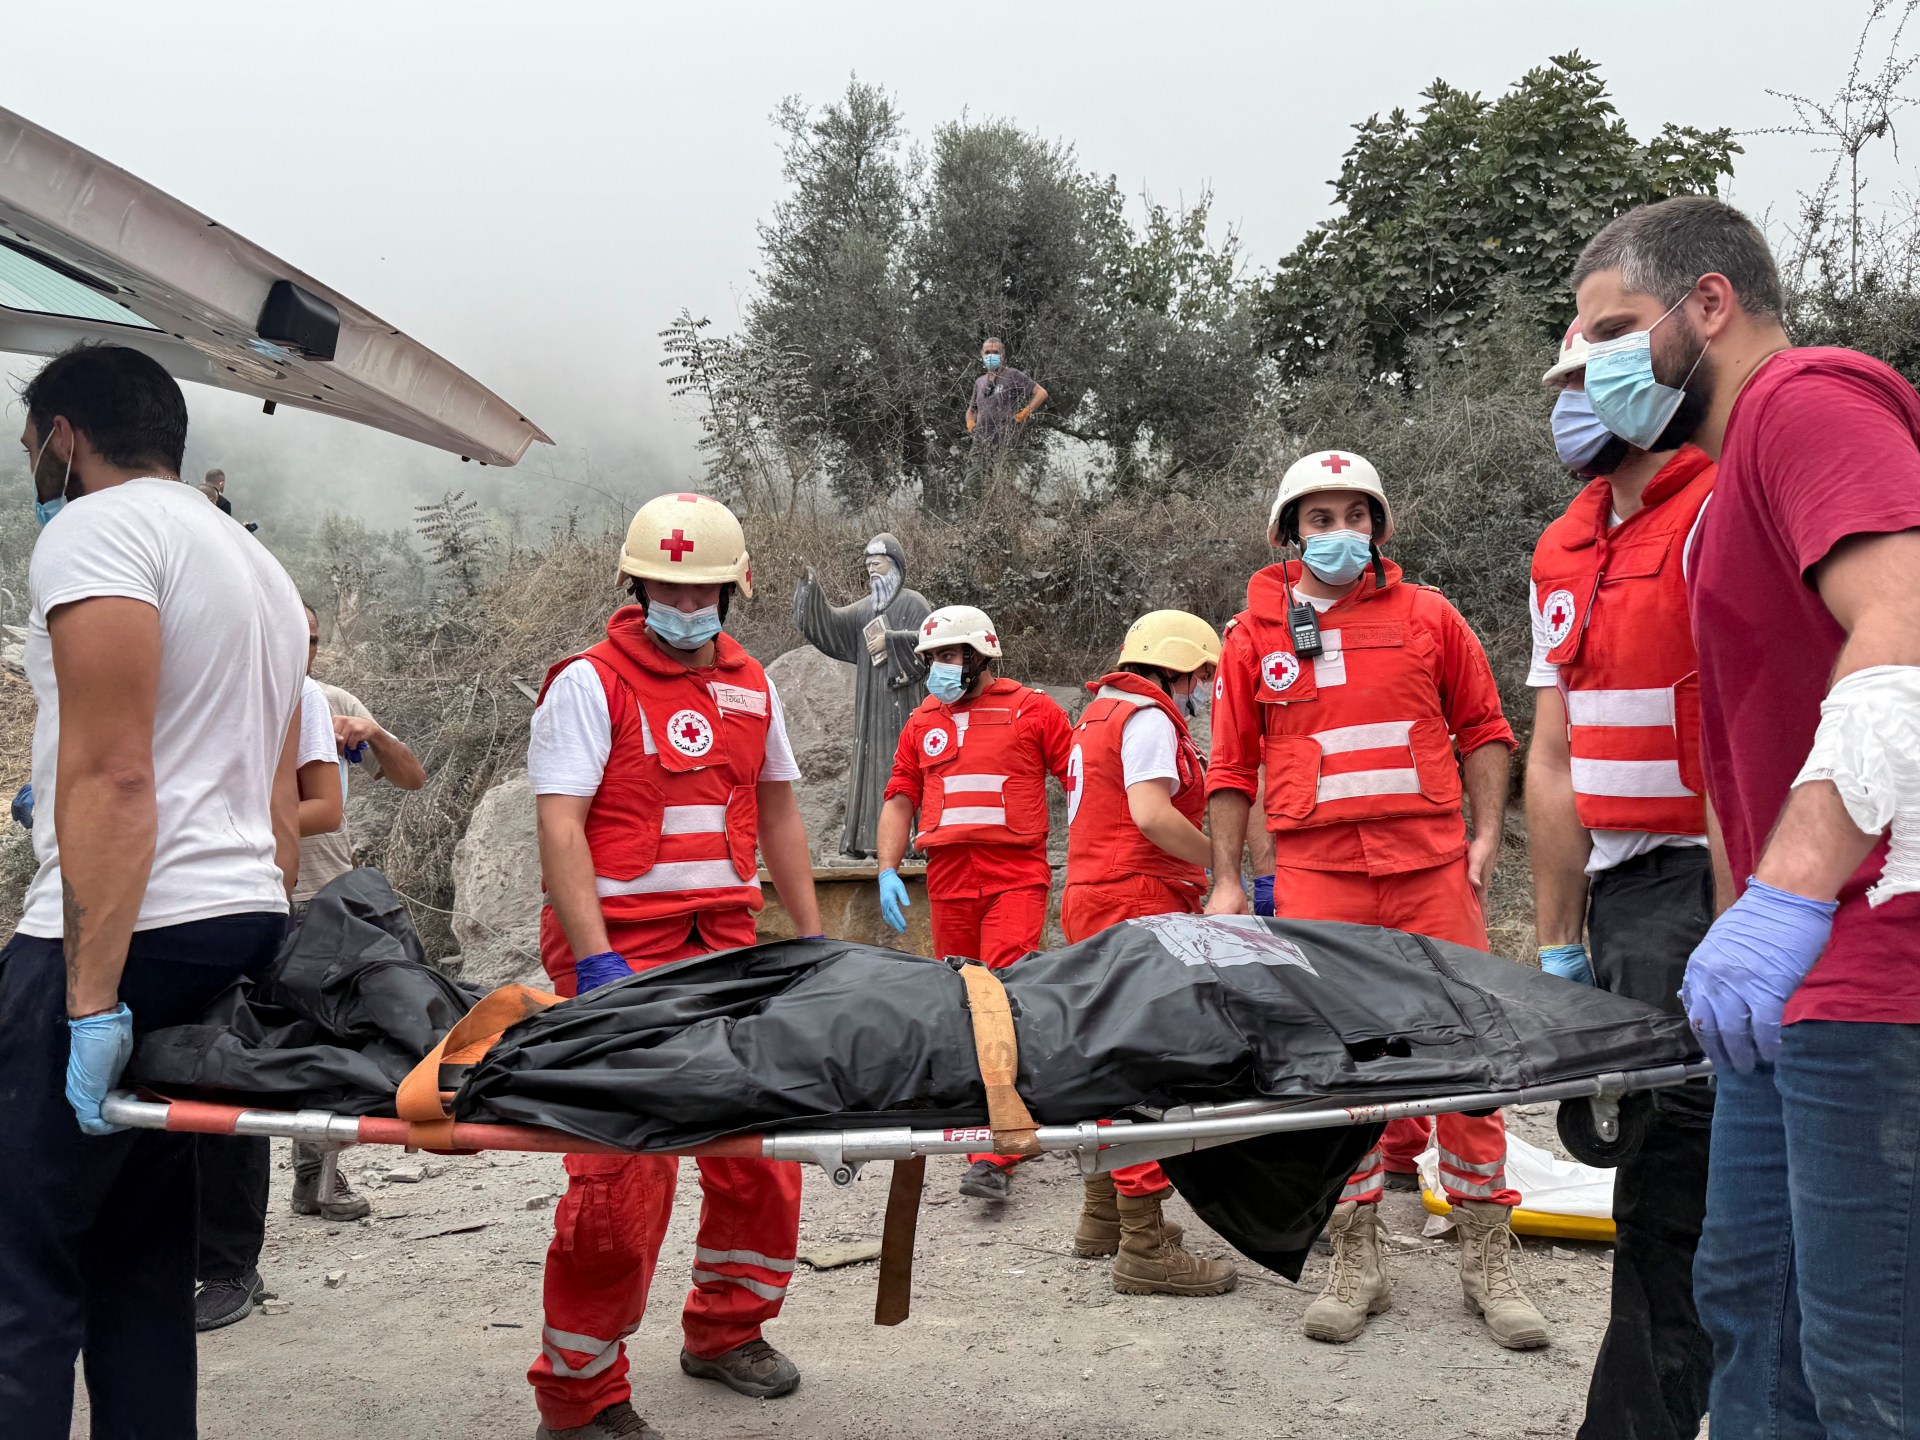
[
  {"x": 999, "y": 1056},
  {"x": 419, "y": 1099}
]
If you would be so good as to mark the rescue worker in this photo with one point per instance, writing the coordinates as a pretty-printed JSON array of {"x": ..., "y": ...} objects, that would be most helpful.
[
  {"x": 1136, "y": 797},
  {"x": 1616, "y": 824},
  {"x": 1356, "y": 688},
  {"x": 973, "y": 761},
  {"x": 659, "y": 758}
]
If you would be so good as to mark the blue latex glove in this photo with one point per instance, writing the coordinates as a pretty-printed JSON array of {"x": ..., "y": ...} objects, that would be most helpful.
[
  {"x": 597, "y": 970},
  {"x": 1569, "y": 962},
  {"x": 23, "y": 806},
  {"x": 1741, "y": 976},
  {"x": 98, "y": 1048},
  {"x": 893, "y": 900},
  {"x": 355, "y": 753},
  {"x": 1263, "y": 895}
]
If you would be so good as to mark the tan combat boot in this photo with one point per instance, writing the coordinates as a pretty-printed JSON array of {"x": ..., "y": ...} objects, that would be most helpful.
[
  {"x": 1098, "y": 1233},
  {"x": 1357, "y": 1287},
  {"x": 1153, "y": 1262},
  {"x": 1487, "y": 1275}
]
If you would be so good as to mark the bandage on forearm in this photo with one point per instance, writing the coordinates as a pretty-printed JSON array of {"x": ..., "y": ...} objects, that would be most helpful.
[{"x": 1868, "y": 747}]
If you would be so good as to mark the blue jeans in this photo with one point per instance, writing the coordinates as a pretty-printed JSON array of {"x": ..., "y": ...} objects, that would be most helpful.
[{"x": 1806, "y": 1276}]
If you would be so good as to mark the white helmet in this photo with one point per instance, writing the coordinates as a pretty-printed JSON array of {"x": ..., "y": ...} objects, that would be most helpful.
[
  {"x": 958, "y": 625},
  {"x": 1330, "y": 470},
  {"x": 688, "y": 538},
  {"x": 1573, "y": 354}
]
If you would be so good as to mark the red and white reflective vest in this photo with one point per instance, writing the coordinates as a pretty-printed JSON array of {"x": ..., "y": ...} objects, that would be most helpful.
[
  {"x": 1103, "y": 843},
  {"x": 993, "y": 789},
  {"x": 674, "y": 826},
  {"x": 1373, "y": 742},
  {"x": 1615, "y": 605}
]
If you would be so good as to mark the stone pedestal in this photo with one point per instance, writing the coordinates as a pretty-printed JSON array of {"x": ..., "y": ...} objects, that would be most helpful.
[{"x": 849, "y": 898}]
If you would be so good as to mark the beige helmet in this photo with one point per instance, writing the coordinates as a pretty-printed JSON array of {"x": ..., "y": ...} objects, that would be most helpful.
[
  {"x": 1330, "y": 470},
  {"x": 958, "y": 625},
  {"x": 1573, "y": 354},
  {"x": 1172, "y": 640},
  {"x": 690, "y": 539}
]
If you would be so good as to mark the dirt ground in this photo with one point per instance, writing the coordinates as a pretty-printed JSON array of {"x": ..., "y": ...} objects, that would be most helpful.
[{"x": 421, "y": 1322}]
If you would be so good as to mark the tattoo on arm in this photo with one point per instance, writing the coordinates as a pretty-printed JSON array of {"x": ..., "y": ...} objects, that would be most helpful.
[{"x": 73, "y": 913}]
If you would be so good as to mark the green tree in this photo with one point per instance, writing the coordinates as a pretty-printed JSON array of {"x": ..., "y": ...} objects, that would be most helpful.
[
  {"x": 834, "y": 293},
  {"x": 1468, "y": 206},
  {"x": 1011, "y": 239},
  {"x": 457, "y": 542}
]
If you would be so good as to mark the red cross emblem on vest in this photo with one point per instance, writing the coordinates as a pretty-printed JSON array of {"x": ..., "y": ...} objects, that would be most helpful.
[
  {"x": 1336, "y": 462},
  {"x": 1559, "y": 612},
  {"x": 676, "y": 545},
  {"x": 691, "y": 733},
  {"x": 1076, "y": 766}
]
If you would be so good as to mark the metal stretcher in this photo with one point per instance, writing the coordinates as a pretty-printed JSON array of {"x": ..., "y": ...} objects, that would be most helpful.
[{"x": 1096, "y": 1145}]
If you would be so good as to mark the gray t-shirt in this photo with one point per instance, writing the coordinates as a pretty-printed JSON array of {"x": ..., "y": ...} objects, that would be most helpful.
[
  {"x": 998, "y": 395},
  {"x": 328, "y": 857}
]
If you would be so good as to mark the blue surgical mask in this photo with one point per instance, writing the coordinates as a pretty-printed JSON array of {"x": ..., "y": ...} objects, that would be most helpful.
[
  {"x": 1337, "y": 556},
  {"x": 1578, "y": 435},
  {"x": 683, "y": 629},
  {"x": 946, "y": 683},
  {"x": 1626, "y": 396},
  {"x": 45, "y": 510},
  {"x": 991, "y": 361},
  {"x": 1196, "y": 701}
]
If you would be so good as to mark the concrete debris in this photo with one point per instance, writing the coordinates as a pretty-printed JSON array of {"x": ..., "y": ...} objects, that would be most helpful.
[{"x": 832, "y": 1257}]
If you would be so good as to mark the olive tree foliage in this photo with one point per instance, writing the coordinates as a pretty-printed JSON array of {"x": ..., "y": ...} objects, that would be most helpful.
[
  {"x": 1469, "y": 205},
  {"x": 886, "y": 264}
]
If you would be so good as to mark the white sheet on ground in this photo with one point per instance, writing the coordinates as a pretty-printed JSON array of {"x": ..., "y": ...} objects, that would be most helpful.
[{"x": 1547, "y": 1184}]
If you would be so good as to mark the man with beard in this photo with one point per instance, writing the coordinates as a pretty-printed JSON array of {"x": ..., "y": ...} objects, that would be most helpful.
[
  {"x": 875, "y": 634},
  {"x": 1617, "y": 830},
  {"x": 1806, "y": 991}
]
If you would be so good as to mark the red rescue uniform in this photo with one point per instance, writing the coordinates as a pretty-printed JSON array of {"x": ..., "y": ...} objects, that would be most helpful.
[
  {"x": 976, "y": 771},
  {"x": 1114, "y": 872},
  {"x": 673, "y": 832},
  {"x": 1631, "y": 685},
  {"x": 1363, "y": 787}
]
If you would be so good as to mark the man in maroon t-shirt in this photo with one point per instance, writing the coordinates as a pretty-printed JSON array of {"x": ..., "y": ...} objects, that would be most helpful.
[{"x": 1805, "y": 583}]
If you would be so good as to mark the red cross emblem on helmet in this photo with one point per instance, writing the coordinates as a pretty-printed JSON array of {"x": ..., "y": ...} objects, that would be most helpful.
[
  {"x": 1336, "y": 462},
  {"x": 1280, "y": 669},
  {"x": 1559, "y": 612},
  {"x": 691, "y": 733}
]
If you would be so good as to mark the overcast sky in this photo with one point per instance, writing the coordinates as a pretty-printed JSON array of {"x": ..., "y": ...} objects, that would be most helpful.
[{"x": 534, "y": 190}]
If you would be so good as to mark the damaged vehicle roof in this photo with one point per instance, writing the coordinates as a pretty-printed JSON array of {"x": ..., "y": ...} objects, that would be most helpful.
[{"x": 88, "y": 251}]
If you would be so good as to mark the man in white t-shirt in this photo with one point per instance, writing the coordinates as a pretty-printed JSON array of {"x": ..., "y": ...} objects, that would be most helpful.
[
  {"x": 1622, "y": 878},
  {"x": 163, "y": 648},
  {"x": 236, "y": 1171},
  {"x": 1136, "y": 799},
  {"x": 659, "y": 761}
]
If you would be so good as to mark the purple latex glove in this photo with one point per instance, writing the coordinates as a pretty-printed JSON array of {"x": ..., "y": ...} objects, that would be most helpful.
[
  {"x": 1741, "y": 976},
  {"x": 597, "y": 970}
]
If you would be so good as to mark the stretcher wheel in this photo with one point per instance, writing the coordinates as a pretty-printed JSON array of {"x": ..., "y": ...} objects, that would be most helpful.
[{"x": 1580, "y": 1130}]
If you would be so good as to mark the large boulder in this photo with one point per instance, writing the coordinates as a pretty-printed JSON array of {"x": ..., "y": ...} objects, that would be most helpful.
[
  {"x": 496, "y": 887},
  {"x": 816, "y": 692}
]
